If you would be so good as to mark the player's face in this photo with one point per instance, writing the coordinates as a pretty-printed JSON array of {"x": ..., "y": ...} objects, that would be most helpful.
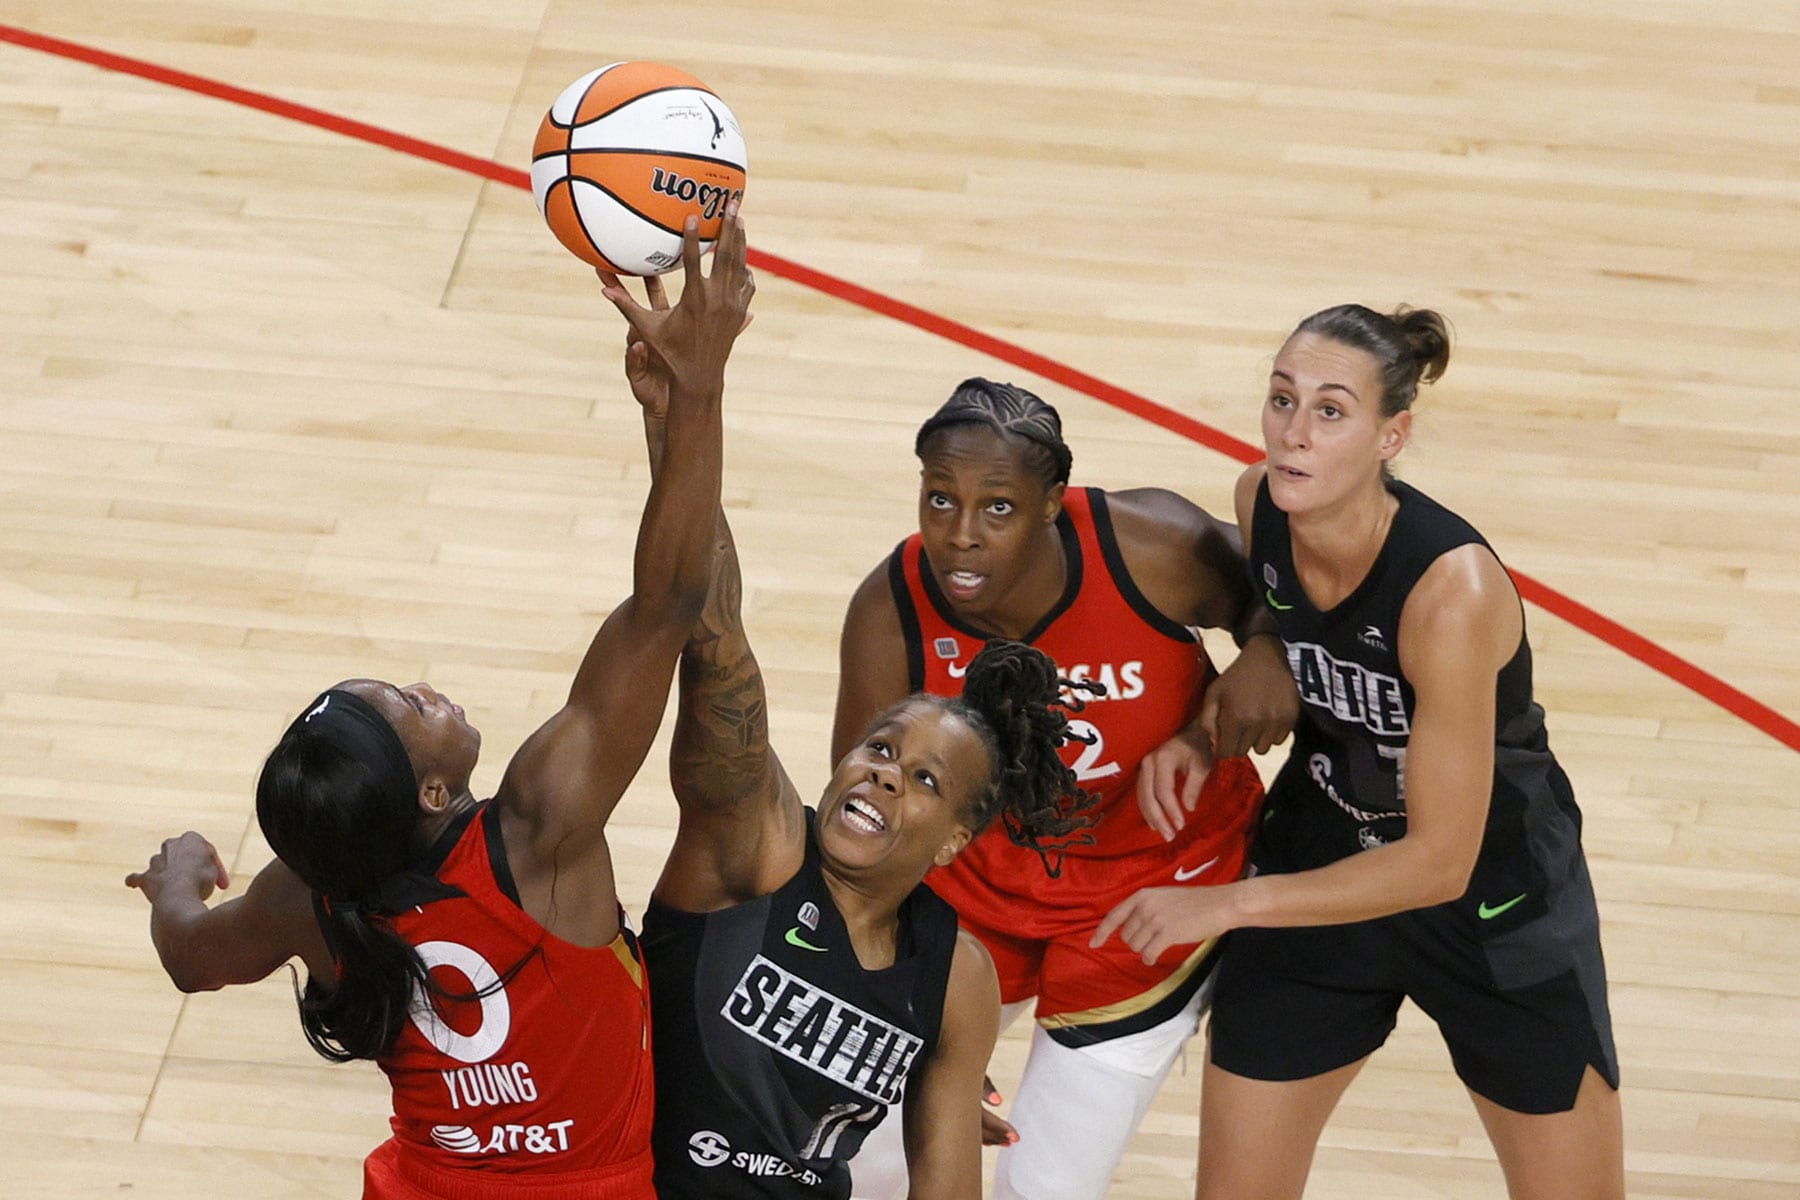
[
  {"x": 982, "y": 511},
  {"x": 438, "y": 737},
  {"x": 1322, "y": 425},
  {"x": 896, "y": 805}
]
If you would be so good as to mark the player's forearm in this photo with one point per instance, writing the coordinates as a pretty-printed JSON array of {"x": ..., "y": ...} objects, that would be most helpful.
[
  {"x": 1407, "y": 874},
  {"x": 1255, "y": 621},
  {"x": 178, "y": 931},
  {"x": 672, "y": 566}
]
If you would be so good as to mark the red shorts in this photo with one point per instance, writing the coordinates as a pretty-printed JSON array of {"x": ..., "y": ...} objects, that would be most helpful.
[
  {"x": 390, "y": 1173},
  {"x": 1038, "y": 927}
]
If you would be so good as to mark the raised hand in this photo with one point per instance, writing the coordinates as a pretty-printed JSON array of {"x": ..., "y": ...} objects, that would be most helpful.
[
  {"x": 648, "y": 377},
  {"x": 689, "y": 342}
]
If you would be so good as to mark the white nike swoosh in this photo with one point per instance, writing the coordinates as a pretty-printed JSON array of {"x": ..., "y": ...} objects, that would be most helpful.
[
  {"x": 956, "y": 672},
  {"x": 1182, "y": 876}
]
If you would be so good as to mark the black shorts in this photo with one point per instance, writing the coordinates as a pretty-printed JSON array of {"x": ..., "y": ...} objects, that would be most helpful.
[{"x": 1523, "y": 1011}]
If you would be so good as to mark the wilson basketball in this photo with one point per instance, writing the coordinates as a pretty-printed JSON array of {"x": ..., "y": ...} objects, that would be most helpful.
[{"x": 622, "y": 158}]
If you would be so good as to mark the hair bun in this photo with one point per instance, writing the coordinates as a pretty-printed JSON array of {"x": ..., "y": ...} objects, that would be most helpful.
[{"x": 1427, "y": 335}]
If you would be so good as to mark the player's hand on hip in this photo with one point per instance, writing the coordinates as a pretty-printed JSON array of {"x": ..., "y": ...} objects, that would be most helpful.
[
  {"x": 187, "y": 862},
  {"x": 1170, "y": 778},
  {"x": 1154, "y": 919}
]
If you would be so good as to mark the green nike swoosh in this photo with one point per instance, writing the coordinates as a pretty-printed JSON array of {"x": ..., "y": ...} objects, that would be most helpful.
[
  {"x": 1488, "y": 914},
  {"x": 1278, "y": 606},
  {"x": 794, "y": 939}
]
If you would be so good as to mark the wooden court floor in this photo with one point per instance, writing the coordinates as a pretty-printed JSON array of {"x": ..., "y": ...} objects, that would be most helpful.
[{"x": 279, "y": 406}]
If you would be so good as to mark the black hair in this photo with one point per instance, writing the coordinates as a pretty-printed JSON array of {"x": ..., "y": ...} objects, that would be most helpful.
[
  {"x": 338, "y": 802},
  {"x": 1011, "y": 412},
  {"x": 328, "y": 814},
  {"x": 1015, "y": 699},
  {"x": 1411, "y": 344}
]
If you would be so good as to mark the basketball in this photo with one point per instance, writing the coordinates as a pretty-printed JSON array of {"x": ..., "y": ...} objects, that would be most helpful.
[{"x": 625, "y": 154}]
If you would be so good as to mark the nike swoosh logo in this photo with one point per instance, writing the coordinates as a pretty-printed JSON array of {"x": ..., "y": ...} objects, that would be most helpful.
[
  {"x": 1488, "y": 914},
  {"x": 956, "y": 672},
  {"x": 1278, "y": 606},
  {"x": 794, "y": 939},
  {"x": 1182, "y": 876}
]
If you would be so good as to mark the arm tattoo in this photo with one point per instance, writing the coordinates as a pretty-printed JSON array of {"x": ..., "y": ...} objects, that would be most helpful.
[{"x": 720, "y": 755}]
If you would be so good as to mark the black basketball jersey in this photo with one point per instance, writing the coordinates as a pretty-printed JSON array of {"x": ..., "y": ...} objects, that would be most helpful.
[
  {"x": 776, "y": 1052},
  {"x": 1343, "y": 788}
]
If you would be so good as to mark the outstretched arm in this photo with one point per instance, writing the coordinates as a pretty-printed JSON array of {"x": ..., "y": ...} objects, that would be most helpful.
[
  {"x": 240, "y": 941},
  {"x": 741, "y": 829},
  {"x": 566, "y": 779}
]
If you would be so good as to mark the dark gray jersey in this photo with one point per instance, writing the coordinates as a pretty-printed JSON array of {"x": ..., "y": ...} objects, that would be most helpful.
[
  {"x": 1343, "y": 788},
  {"x": 776, "y": 1052}
]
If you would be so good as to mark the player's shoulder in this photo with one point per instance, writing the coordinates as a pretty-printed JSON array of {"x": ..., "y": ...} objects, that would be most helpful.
[
  {"x": 1154, "y": 518},
  {"x": 973, "y": 976},
  {"x": 872, "y": 611}
]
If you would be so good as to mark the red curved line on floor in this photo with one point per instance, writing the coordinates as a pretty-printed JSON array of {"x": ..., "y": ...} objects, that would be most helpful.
[{"x": 1711, "y": 687}]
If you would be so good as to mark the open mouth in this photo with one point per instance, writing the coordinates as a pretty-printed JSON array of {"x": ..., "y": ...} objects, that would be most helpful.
[
  {"x": 863, "y": 816},
  {"x": 963, "y": 584}
]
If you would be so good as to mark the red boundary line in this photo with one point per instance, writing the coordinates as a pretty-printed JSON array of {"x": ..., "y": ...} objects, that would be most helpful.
[{"x": 1740, "y": 704}]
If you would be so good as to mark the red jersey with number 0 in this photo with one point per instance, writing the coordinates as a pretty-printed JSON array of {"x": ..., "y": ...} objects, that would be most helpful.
[
  {"x": 545, "y": 1079},
  {"x": 1155, "y": 672}
]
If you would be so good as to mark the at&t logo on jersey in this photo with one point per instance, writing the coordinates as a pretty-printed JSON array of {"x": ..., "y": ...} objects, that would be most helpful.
[
  {"x": 550, "y": 1138},
  {"x": 1349, "y": 691},
  {"x": 816, "y": 1029}
]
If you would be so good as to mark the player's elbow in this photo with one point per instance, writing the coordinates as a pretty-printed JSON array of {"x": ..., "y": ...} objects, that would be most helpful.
[
  {"x": 1450, "y": 878},
  {"x": 192, "y": 973},
  {"x": 191, "y": 983}
]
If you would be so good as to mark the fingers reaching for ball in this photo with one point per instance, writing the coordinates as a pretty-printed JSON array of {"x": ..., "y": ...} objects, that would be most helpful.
[{"x": 684, "y": 346}]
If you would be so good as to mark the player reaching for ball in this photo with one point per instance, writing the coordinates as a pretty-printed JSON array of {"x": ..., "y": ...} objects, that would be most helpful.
[
  {"x": 804, "y": 980},
  {"x": 1114, "y": 586},
  {"x": 475, "y": 950}
]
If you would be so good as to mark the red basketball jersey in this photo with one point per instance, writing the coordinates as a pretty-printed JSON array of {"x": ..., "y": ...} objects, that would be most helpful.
[
  {"x": 1155, "y": 672},
  {"x": 546, "y": 1075}
]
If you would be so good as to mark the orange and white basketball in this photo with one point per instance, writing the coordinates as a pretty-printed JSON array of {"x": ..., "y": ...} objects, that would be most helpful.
[{"x": 622, "y": 158}]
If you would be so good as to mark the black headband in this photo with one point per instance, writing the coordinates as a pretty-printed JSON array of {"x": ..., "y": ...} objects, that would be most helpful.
[{"x": 357, "y": 727}]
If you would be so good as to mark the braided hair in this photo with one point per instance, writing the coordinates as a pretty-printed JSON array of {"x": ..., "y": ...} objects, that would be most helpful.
[
  {"x": 1012, "y": 412},
  {"x": 1016, "y": 701}
]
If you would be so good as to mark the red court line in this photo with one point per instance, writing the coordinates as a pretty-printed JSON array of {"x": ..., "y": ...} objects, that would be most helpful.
[{"x": 1711, "y": 687}]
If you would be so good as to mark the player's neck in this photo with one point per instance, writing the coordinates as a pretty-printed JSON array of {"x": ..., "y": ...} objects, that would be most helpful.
[
  {"x": 1335, "y": 548},
  {"x": 870, "y": 918}
]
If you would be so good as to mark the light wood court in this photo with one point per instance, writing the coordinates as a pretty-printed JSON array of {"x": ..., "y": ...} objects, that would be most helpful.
[{"x": 280, "y": 407}]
